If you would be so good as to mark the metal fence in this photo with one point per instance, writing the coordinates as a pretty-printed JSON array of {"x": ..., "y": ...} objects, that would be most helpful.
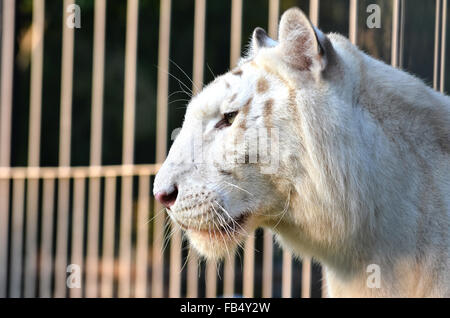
[{"x": 116, "y": 234}]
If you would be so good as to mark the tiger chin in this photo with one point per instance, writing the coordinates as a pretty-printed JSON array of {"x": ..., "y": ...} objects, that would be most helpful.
[{"x": 357, "y": 171}]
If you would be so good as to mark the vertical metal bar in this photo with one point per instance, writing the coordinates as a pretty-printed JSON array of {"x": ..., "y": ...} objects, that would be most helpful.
[
  {"x": 192, "y": 274},
  {"x": 163, "y": 80},
  {"x": 96, "y": 147},
  {"x": 37, "y": 58},
  {"x": 34, "y": 140},
  {"x": 7, "y": 81},
  {"x": 66, "y": 89},
  {"x": 157, "y": 251},
  {"x": 306, "y": 277},
  {"x": 267, "y": 264},
  {"x": 92, "y": 241},
  {"x": 236, "y": 29},
  {"x": 161, "y": 141},
  {"x": 274, "y": 12},
  {"x": 324, "y": 283},
  {"x": 4, "y": 221},
  {"x": 130, "y": 81},
  {"x": 437, "y": 25},
  {"x": 235, "y": 52},
  {"x": 274, "y": 8},
  {"x": 107, "y": 264},
  {"x": 98, "y": 82},
  {"x": 228, "y": 276},
  {"x": 17, "y": 228},
  {"x": 402, "y": 34},
  {"x": 125, "y": 237},
  {"x": 6, "y": 91},
  {"x": 228, "y": 280},
  {"x": 61, "y": 237},
  {"x": 199, "y": 45},
  {"x": 353, "y": 23},
  {"x": 395, "y": 32},
  {"x": 46, "y": 265},
  {"x": 175, "y": 264},
  {"x": 142, "y": 237},
  {"x": 211, "y": 279},
  {"x": 64, "y": 153},
  {"x": 197, "y": 79},
  {"x": 314, "y": 9},
  {"x": 286, "y": 278},
  {"x": 249, "y": 267},
  {"x": 443, "y": 45},
  {"x": 128, "y": 148},
  {"x": 77, "y": 228},
  {"x": 31, "y": 237}
]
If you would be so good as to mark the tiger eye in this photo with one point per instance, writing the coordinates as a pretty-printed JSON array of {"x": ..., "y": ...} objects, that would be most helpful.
[
  {"x": 230, "y": 117},
  {"x": 227, "y": 120}
]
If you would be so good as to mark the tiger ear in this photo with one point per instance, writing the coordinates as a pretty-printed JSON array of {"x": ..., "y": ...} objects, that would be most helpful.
[
  {"x": 260, "y": 39},
  {"x": 302, "y": 45}
]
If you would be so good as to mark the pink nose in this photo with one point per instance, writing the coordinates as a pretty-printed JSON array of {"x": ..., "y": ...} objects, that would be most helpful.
[{"x": 167, "y": 199}]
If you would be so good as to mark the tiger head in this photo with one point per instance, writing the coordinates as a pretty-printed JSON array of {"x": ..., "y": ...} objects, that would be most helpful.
[{"x": 233, "y": 166}]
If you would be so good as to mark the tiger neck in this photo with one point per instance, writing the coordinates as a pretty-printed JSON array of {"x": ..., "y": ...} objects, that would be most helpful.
[{"x": 342, "y": 207}]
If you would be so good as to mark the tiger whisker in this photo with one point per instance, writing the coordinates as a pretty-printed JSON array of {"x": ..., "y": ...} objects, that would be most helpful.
[{"x": 237, "y": 187}]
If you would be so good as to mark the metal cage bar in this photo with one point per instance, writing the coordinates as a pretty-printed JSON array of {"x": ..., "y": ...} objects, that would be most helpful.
[
  {"x": 353, "y": 21},
  {"x": 236, "y": 28},
  {"x": 46, "y": 264},
  {"x": 17, "y": 228},
  {"x": 306, "y": 277},
  {"x": 77, "y": 257},
  {"x": 440, "y": 37},
  {"x": 64, "y": 153},
  {"x": 37, "y": 57},
  {"x": 443, "y": 45},
  {"x": 314, "y": 10},
  {"x": 142, "y": 236},
  {"x": 107, "y": 263},
  {"x": 249, "y": 266},
  {"x": 396, "y": 23},
  {"x": 128, "y": 148},
  {"x": 95, "y": 148},
  {"x": 161, "y": 141},
  {"x": 211, "y": 279},
  {"x": 437, "y": 43},
  {"x": 286, "y": 275},
  {"x": 6, "y": 90}
]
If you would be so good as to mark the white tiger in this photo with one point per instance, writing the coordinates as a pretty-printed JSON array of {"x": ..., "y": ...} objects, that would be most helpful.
[{"x": 362, "y": 172}]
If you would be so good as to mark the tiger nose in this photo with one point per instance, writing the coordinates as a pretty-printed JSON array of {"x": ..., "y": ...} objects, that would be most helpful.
[{"x": 167, "y": 198}]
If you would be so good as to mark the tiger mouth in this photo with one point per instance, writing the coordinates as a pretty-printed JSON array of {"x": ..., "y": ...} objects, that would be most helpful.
[{"x": 230, "y": 226}]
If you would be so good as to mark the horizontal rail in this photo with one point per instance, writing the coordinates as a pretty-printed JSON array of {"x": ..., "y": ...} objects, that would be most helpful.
[{"x": 77, "y": 172}]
